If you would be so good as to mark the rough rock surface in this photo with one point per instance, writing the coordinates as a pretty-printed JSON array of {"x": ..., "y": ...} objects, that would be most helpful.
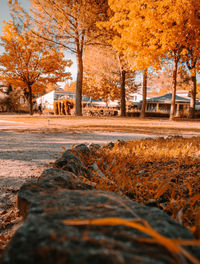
[
  {"x": 59, "y": 195},
  {"x": 71, "y": 161},
  {"x": 48, "y": 184}
]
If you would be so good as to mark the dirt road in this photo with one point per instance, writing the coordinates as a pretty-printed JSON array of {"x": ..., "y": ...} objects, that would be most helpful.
[{"x": 24, "y": 155}]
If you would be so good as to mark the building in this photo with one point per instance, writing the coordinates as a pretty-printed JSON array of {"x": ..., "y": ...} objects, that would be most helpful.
[
  {"x": 162, "y": 104},
  {"x": 135, "y": 97},
  {"x": 47, "y": 100}
]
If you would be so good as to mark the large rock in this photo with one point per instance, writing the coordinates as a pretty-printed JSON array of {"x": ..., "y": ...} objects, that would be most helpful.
[
  {"x": 71, "y": 161},
  {"x": 60, "y": 195},
  {"x": 48, "y": 184}
]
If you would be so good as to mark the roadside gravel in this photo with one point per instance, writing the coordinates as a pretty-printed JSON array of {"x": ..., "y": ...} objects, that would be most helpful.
[{"x": 24, "y": 155}]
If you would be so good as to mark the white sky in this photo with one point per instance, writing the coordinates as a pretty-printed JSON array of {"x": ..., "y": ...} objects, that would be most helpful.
[
  {"x": 4, "y": 10},
  {"x": 4, "y": 15}
]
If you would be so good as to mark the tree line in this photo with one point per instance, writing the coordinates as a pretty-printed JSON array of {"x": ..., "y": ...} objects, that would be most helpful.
[{"x": 112, "y": 41}]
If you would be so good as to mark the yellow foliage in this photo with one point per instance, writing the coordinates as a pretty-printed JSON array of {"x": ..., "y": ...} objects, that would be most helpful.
[
  {"x": 151, "y": 30},
  {"x": 28, "y": 62}
]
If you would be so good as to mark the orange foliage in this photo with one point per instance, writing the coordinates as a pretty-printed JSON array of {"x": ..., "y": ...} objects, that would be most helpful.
[
  {"x": 28, "y": 62},
  {"x": 70, "y": 87},
  {"x": 155, "y": 31},
  {"x": 70, "y": 24}
]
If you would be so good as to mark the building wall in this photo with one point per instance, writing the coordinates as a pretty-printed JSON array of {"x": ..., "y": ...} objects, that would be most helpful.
[
  {"x": 135, "y": 97},
  {"x": 46, "y": 100}
]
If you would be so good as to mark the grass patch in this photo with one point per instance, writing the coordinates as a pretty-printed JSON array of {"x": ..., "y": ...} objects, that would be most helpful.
[{"x": 162, "y": 173}]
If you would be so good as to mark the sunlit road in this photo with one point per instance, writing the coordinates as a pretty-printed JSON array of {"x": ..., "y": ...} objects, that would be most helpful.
[{"x": 10, "y": 124}]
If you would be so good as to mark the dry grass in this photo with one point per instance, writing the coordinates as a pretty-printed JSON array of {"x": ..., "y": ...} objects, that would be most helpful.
[{"x": 164, "y": 173}]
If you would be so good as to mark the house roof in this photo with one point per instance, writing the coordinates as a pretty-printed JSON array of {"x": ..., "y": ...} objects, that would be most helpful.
[{"x": 167, "y": 98}]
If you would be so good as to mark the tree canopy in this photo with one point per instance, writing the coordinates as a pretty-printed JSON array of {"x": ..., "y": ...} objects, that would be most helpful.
[
  {"x": 153, "y": 31},
  {"x": 103, "y": 73},
  {"x": 29, "y": 63},
  {"x": 148, "y": 33},
  {"x": 71, "y": 24}
]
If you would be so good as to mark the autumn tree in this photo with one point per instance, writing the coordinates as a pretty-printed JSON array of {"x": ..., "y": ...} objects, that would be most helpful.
[
  {"x": 186, "y": 25},
  {"x": 99, "y": 79},
  {"x": 106, "y": 75},
  {"x": 71, "y": 24},
  {"x": 153, "y": 31},
  {"x": 70, "y": 87},
  {"x": 130, "y": 38},
  {"x": 29, "y": 63},
  {"x": 126, "y": 79},
  {"x": 192, "y": 51},
  {"x": 50, "y": 87},
  {"x": 160, "y": 81}
]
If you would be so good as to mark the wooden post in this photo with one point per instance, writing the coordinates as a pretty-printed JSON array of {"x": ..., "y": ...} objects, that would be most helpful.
[
  {"x": 157, "y": 107},
  {"x": 178, "y": 110}
]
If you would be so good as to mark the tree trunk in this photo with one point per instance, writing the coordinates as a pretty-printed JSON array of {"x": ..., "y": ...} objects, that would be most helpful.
[
  {"x": 30, "y": 99},
  {"x": 144, "y": 94},
  {"x": 193, "y": 98},
  {"x": 173, "y": 102},
  {"x": 79, "y": 40},
  {"x": 79, "y": 83},
  {"x": 191, "y": 64},
  {"x": 123, "y": 93}
]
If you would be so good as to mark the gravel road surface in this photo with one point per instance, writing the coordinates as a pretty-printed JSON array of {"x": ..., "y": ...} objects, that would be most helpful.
[{"x": 24, "y": 155}]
